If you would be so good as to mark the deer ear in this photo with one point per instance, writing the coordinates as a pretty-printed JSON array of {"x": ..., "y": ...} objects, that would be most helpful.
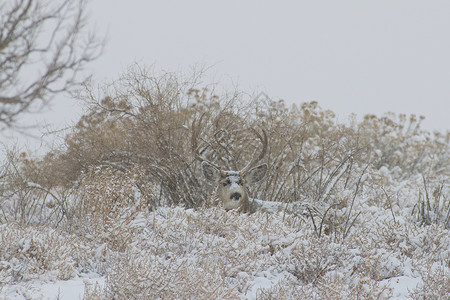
[
  {"x": 210, "y": 172},
  {"x": 256, "y": 174}
]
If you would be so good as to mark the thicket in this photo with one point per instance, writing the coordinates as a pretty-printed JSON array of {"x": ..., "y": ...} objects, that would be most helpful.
[
  {"x": 131, "y": 153},
  {"x": 144, "y": 121}
]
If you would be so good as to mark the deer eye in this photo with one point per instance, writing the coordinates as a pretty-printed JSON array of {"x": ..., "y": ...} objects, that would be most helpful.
[{"x": 225, "y": 183}]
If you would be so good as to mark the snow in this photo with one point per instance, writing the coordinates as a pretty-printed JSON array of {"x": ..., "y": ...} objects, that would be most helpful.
[
  {"x": 72, "y": 289},
  {"x": 34, "y": 185},
  {"x": 265, "y": 280},
  {"x": 402, "y": 286},
  {"x": 252, "y": 254}
]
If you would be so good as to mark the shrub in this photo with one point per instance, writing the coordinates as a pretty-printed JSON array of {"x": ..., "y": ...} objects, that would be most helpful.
[{"x": 28, "y": 253}]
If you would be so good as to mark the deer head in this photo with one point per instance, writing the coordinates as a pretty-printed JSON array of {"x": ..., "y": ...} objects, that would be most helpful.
[{"x": 232, "y": 185}]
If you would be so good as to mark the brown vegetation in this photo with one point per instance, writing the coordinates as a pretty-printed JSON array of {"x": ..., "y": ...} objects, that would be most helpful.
[{"x": 130, "y": 156}]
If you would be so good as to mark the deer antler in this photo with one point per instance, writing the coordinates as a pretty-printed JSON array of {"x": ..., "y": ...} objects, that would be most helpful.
[
  {"x": 194, "y": 143},
  {"x": 254, "y": 161}
]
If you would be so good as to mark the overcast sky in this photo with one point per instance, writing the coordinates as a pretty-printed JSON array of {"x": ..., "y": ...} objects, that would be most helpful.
[{"x": 351, "y": 56}]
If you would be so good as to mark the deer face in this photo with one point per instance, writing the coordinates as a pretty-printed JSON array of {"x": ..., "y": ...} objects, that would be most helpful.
[{"x": 232, "y": 185}]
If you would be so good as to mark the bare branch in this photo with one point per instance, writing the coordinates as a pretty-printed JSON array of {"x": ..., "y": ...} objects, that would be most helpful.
[{"x": 43, "y": 47}]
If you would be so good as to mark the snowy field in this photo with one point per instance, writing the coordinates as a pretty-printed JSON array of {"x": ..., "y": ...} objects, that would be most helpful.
[{"x": 212, "y": 254}]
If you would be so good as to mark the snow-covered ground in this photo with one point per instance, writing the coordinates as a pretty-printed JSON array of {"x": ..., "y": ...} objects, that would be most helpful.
[
  {"x": 179, "y": 253},
  {"x": 72, "y": 289}
]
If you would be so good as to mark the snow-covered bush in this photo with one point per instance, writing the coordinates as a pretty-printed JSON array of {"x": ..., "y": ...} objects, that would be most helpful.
[
  {"x": 363, "y": 207},
  {"x": 28, "y": 253},
  {"x": 109, "y": 205}
]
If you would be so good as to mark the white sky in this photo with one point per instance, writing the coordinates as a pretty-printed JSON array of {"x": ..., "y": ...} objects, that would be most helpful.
[{"x": 351, "y": 56}]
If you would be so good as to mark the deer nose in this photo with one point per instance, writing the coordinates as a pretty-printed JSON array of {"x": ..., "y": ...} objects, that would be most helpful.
[{"x": 235, "y": 196}]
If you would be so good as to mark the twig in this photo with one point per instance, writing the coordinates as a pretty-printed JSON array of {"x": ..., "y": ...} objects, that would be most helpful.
[
  {"x": 390, "y": 204},
  {"x": 346, "y": 228}
]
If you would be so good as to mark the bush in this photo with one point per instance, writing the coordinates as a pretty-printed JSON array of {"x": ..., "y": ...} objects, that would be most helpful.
[
  {"x": 28, "y": 253},
  {"x": 144, "y": 121},
  {"x": 361, "y": 203}
]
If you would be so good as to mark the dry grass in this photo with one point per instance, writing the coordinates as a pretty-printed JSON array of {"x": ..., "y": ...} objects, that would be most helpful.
[
  {"x": 28, "y": 253},
  {"x": 436, "y": 283}
]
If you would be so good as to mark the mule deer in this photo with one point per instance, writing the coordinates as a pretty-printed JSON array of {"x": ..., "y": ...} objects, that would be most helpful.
[{"x": 232, "y": 185}]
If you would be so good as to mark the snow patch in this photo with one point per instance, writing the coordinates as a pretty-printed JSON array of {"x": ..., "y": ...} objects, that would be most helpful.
[{"x": 72, "y": 289}]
